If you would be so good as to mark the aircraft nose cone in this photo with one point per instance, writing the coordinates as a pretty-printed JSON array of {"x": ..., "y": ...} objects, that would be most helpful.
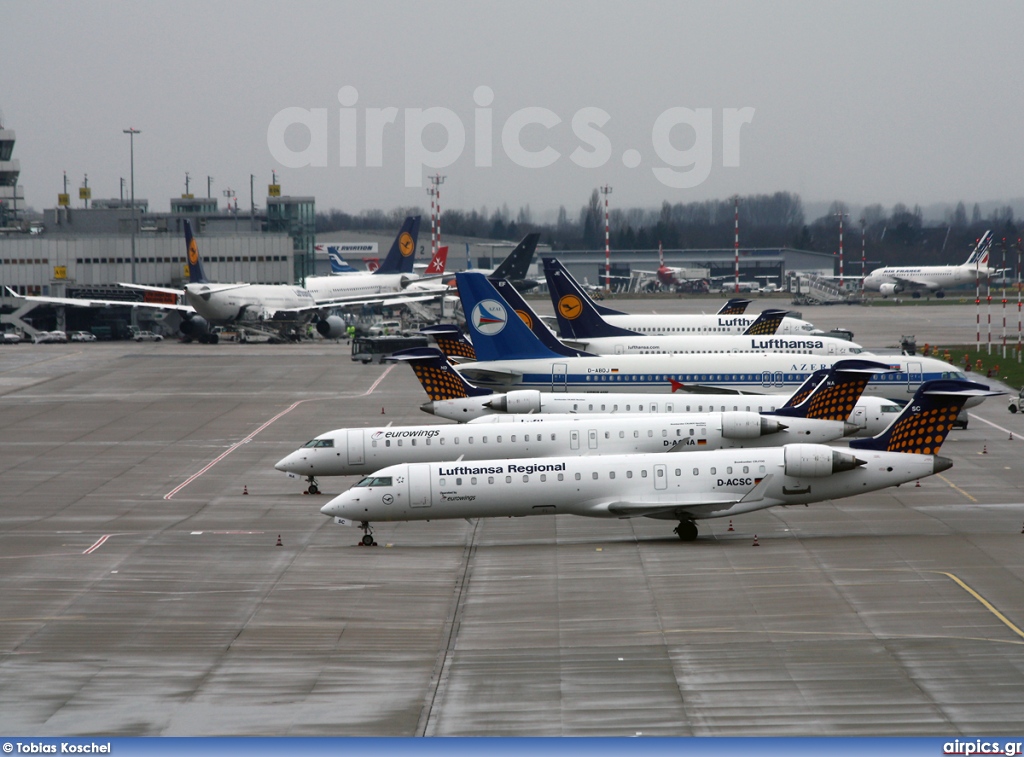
[
  {"x": 287, "y": 464},
  {"x": 940, "y": 464}
]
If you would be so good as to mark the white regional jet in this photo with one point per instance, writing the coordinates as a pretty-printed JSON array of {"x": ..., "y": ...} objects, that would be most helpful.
[
  {"x": 683, "y": 488},
  {"x": 568, "y": 304},
  {"x": 454, "y": 398},
  {"x": 819, "y": 416},
  {"x": 934, "y": 278},
  {"x": 509, "y": 357}
]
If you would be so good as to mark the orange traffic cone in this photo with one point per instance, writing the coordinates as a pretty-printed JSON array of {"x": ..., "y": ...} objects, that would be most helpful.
[
  {"x": 382, "y": 411},
  {"x": 730, "y": 525},
  {"x": 245, "y": 489},
  {"x": 984, "y": 449},
  {"x": 279, "y": 541},
  {"x": 755, "y": 544},
  {"x": 917, "y": 485}
]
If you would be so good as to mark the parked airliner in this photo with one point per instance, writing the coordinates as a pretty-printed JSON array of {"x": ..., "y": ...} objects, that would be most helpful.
[
  {"x": 666, "y": 486},
  {"x": 934, "y": 278}
]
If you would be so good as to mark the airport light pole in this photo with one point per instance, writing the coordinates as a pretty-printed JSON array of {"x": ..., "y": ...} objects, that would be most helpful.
[
  {"x": 606, "y": 190},
  {"x": 131, "y": 132},
  {"x": 736, "y": 242},
  {"x": 437, "y": 180},
  {"x": 432, "y": 191}
]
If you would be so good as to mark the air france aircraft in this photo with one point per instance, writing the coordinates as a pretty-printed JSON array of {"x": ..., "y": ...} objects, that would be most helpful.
[
  {"x": 595, "y": 334},
  {"x": 817, "y": 412},
  {"x": 510, "y": 357},
  {"x": 567, "y": 297},
  {"x": 683, "y": 488},
  {"x": 934, "y": 278},
  {"x": 454, "y": 398}
]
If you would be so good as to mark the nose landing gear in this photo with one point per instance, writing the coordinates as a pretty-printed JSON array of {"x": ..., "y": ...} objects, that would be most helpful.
[
  {"x": 367, "y": 540},
  {"x": 313, "y": 487}
]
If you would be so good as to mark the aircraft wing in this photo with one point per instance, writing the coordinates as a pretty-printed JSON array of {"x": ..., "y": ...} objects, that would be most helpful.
[
  {"x": 387, "y": 299},
  {"x": 146, "y": 288},
  {"x": 690, "y": 504},
  {"x": 94, "y": 303}
]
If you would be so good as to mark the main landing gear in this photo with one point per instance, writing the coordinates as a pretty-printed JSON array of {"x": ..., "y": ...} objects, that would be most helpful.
[
  {"x": 367, "y": 540},
  {"x": 313, "y": 488},
  {"x": 686, "y": 530}
]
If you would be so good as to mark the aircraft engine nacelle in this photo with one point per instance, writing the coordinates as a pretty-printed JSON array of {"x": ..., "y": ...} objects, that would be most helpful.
[
  {"x": 887, "y": 289},
  {"x": 740, "y": 424},
  {"x": 194, "y": 327},
  {"x": 331, "y": 327},
  {"x": 520, "y": 401},
  {"x": 817, "y": 461},
  {"x": 405, "y": 281}
]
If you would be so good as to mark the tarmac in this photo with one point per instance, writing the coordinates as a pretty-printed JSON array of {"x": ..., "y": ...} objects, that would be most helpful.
[{"x": 159, "y": 577}]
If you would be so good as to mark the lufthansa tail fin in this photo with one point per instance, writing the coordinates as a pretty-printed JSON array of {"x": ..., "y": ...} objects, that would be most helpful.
[
  {"x": 831, "y": 393},
  {"x": 575, "y": 311},
  {"x": 402, "y": 254},
  {"x": 451, "y": 341},
  {"x": 735, "y": 306},
  {"x": 531, "y": 319},
  {"x": 497, "y": 332},
  {"x": 516, "y": 266},
  {"x": 550, "y": 266},
  {"x": 767, "y": 323},
  {"x": 195, "y": 263},
  {"x": 926, "y": 420},
  {"x": 440, "y": 381}
]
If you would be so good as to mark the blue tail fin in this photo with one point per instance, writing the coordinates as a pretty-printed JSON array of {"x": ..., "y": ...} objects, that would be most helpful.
[
  {"x": 451, "y": 341},
  {"x": 735, "y": 306},
  {"x": 195, "y": 263},
  {"x": 926, "y": 420},
  {"x": 402, "y": 254},
  {"x": 831, "y": 393},
  {"x": 440, "y": 381},
  {"x": 551, "y": 265},
  {"x": 531, "y": 319},
  {"x": 497, "y": 332},
  {"x": 338, "y": 263},
  {"x": 577, "y": 316},
  {"x": 766, "y": 324},
  {"x": 517, "y": 264}
]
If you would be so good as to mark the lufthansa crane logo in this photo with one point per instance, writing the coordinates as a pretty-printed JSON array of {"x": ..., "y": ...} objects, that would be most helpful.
[
  {"x": 489, "y": 317},
  {"x": 570, "y": 306},
  {"x": 526, "y": 318},
  {"x": 193, "y": 253},
  {"x": 387, "y": 499},
  {"x": 406, "y": 245}
]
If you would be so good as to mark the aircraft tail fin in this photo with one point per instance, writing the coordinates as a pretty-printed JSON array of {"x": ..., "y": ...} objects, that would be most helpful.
[
  {"x": 437, "y": 263},
  {"x": 451, "y": 341},
  {"x": 440, "y": 381},
  {"x": 517, "y": 265},
  {"x": 497, "y": 332},
  {"x": 338, "y": 263},
  {"x": 735, "y": 306},
  {"x": 402, "y": 254},
  {"x": 926, "y": 420},
  {"x": 831, "y": 393},
  {"x": 551, "y": 265},
  {"x": 767, "y": 323},
  {"x": 532, "y": 320},
  {"x": 575, "y": 311},
  {"x": 980, "y": 255},
  {"x": 196, "y": 275}
]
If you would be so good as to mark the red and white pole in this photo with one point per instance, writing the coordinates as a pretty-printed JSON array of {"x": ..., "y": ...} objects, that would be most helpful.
[
  {"x": 841, "y": 249},
  {"x": 863, "y": 260},
  {"x": 736, "y": 241},
  {"x": 437, "y": 180},
  {"x": 606, "y": 190},
  {"x": 433, "y": 240}
]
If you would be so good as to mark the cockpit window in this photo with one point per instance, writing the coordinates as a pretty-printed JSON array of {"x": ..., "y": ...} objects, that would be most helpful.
[
  {"x": 891, "y": 408},
  {"x": 318, "y": 443},
  {"x": 855, "y": 350},
  {"x": 375, "y": 481}
]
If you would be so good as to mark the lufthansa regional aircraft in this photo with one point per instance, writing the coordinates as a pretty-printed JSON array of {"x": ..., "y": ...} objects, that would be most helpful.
[
  {"x": 454, "y": 398},
  {"x": 510, "y": 357},
  {"x": 934, "y": 278},
  {"x": 567, "y": 297},
  {"x": 665, "y": 486},
  {"x": 818, "y": 415}
]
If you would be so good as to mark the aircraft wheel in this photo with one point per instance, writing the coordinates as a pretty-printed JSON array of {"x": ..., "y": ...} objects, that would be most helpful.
[
  {"x": 916, "y": 295},
  {"x": 368, "y": 541},
  {"x": 687, "y": 530},
  {"x": 939, "y": 295},
  {"x": 313, "y": 489}
]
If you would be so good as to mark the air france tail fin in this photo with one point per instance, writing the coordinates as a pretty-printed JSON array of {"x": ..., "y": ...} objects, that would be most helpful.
[
  {"x": 767, "y": 323},
  {"x": 575, "y": 311},
  {"x": 532, "y": 320},
  {"x": 516, "y": 266},
  {"x": 735, "y": 306},
  {"x": 980, "y": 255},
  {"x": 451, "y": 341},
  {"x": 497, "y": 332},
  {"x": 194, "y": 262},
  {"x": 831, "y": 393},
  {"x": 402, "y": 254},
  {"x": 926, "y": 420},
  {"x": 550, "y": 266},
  {"x": 437, "y": 263},
  {"x": 440, "y": 381}
]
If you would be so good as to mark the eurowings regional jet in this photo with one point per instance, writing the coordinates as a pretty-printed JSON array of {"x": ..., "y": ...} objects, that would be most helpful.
[
  {"x": 510, "y": 357},
  {"x": 664, "y": 486}
]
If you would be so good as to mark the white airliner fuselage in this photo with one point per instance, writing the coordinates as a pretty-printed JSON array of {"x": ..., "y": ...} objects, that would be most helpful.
[
  {"x": 683, "y": 323},
  {"x": 674, "y": 344},
  {"x": 934, "y": 278},
  {"x": 346, "y": 452},
  {"x": 219, "y": 303}
]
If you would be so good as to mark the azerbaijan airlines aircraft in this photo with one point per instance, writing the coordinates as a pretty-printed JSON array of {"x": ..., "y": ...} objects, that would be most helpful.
[
  {"x": 819, "y": 415},
  {"x": 665, "y": 486},
  {"x": 454, "y": 398},
  {"x": 567, "y": 297},
  {"x": 510, "y": 357},
  {"x": 934, "y": 278}
]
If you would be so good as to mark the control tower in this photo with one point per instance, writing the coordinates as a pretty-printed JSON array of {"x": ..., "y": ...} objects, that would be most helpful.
[{"x": 12, "y": 197}]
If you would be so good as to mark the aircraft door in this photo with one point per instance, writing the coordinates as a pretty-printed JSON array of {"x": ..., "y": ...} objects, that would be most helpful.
[
  {"x": 660, "y": 477},
  {"x": 592, "y": 438},
  {"x": 419, "y": 485},
  {"x": 831, "y": 348},
  {"x": 618, "y": 349},
  {"x": 915, "y": 375},
  {"x": 558, "y": 377},
  {"x": 355, "y": 446},
  {"x": 574, "y": 439}
]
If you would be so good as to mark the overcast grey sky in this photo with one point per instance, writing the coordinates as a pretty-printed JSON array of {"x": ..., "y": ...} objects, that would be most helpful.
[{"x": 914, "y": 102}]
